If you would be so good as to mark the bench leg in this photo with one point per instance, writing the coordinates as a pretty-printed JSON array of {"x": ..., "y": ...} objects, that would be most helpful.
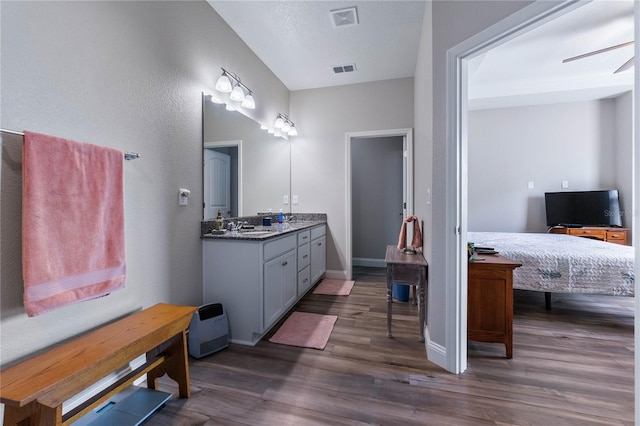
[
  {"x": 32, "y": 415},
  {"x": 176, "y": 365}
]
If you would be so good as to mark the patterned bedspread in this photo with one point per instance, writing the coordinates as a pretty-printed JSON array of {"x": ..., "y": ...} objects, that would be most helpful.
[{"x": 564, "y": 263}]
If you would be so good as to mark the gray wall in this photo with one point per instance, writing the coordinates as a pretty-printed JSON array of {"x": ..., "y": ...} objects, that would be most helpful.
[
  {"x": 580, "y": 142},
  {"x": 127, "y": 75},
  {"x": 376, "y": 197},
  {"x": 318, "y": 153},
  {"x": 453, "y": 22}
]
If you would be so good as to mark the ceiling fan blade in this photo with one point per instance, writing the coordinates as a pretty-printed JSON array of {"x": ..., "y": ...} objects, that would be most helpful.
[
  {"x": 596, "y": 52},
  {"x": 625, "y": 66}
]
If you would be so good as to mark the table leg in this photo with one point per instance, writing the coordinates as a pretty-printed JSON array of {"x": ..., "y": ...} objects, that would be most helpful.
[{"x": 389, "y": 300}]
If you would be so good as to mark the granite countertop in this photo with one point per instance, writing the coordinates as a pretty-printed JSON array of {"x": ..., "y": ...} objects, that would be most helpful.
[{"x": 261, "y": 233}]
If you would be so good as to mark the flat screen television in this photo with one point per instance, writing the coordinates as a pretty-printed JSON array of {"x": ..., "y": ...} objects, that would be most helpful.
[{"x": 583, "y": 208}]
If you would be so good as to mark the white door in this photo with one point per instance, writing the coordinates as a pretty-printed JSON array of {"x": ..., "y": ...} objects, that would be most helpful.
[{"x": 217, "y": 183}]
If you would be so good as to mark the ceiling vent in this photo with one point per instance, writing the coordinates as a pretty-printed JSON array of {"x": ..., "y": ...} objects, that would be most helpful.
[
  {"x": 339, "y": 69},
  {"x": 344, "y": 17}
]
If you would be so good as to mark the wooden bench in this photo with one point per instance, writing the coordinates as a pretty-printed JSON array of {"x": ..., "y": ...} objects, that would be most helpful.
[{"x": 33, "y": 390}]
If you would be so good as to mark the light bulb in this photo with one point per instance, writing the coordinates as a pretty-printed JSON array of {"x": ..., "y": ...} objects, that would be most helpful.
[
  {"x": 237, "y": 94},
  {"x": 248, "y": 102},
  {"x": 293, "y": 131},
  {"x": 229, "y": 107},
  {"x": 286, "y": 127},
  {"x": 278, "y": 123},
  {"x": 223, "y": 84}
]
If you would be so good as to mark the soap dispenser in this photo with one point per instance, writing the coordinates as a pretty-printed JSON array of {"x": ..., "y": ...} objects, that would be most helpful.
[{"x": 280, "y": 217}]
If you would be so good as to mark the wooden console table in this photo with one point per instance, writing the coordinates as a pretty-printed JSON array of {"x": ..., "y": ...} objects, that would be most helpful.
[
  {"x": 490, "y": 300},
  {"x": 602, "y": 233},
  {"x": 407, "y": 269}
]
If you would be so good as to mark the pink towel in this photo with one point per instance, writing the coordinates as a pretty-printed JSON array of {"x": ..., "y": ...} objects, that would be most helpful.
[
  {"x": 417, "y": 235},
  {"x": 72, "y": 222}
]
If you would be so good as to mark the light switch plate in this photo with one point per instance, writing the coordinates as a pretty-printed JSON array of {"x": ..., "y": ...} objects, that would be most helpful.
[
  {"x": 295, "y": 199},
  {"x": 285, "y": 199}
]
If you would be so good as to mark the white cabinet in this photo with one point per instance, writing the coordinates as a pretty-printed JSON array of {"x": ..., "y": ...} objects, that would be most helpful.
[
  {"x": 318, "y": 253},
  {"x": 258, "y": 281},
  {"x": 280, "y": 288}
]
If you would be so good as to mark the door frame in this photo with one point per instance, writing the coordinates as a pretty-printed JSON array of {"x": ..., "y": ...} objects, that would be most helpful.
[
  {"x": 227, "y": 144},
  {"x": 407, "y": 135},
  {"x": 456, "y": 188}
]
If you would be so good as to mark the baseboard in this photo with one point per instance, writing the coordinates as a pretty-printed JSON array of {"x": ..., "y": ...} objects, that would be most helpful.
[
  {"x": 369, "y": 262},
  {"x": 335, "y": 275},
  {"x": 436, "y": 353}
]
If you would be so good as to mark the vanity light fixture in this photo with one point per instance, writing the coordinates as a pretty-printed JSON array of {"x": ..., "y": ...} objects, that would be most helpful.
[
  {"x": 230, "y": 83},
  {"x": 286, "y": 126}
]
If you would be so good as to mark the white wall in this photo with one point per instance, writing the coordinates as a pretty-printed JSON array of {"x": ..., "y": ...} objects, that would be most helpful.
[
  {"x": 545, "y": 144},
  {"x": 624, "y": 151},
  {"x": 128, "y": 75},
  {"x": 318, "y": 153}
]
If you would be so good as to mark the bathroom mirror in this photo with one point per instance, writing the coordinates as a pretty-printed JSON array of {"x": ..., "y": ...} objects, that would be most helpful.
[{"x": 245, "y": 169}]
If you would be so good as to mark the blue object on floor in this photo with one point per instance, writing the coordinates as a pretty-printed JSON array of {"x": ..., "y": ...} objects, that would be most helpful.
[{"x": 401, "y": 292}]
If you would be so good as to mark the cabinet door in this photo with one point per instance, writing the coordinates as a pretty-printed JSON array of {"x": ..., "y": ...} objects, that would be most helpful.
[
  {"x": 279, "y": 286},
  {"x": 318, "y": 258}
]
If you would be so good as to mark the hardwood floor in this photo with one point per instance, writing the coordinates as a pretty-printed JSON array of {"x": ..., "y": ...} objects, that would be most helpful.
[{"x": 572, "y": 365}]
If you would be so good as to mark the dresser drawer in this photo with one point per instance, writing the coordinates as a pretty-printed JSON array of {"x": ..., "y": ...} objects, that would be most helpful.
[
  {"x": 598, "y": 234},
  {"x": 619, "y": 237}
]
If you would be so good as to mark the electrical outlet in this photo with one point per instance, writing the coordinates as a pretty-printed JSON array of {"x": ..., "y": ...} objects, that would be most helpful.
[
  {"x": 565, "y": 184},
  {"x": 530, "y": 185},
  {"x": 285, "y": 199},
  {"x": 295, "y": 199}
]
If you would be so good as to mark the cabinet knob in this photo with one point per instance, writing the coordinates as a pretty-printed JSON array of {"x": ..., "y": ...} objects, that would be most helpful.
[{"x": 285, "y": 263}]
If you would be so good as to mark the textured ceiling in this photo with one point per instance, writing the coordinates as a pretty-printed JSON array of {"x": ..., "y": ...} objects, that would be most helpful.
[{"x": 298, "y": 41}]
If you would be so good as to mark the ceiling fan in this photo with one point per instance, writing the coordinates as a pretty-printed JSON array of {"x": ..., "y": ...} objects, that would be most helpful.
[{"x": 624, "y": 66}]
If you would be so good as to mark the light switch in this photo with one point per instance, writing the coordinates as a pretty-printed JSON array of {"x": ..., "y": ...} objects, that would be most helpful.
[
  {"x": 285, "y": 199},
  {"x": 565, "y": 184},
  {"x": 530, "y": 185},
  {"x": 295, "y": 199}
]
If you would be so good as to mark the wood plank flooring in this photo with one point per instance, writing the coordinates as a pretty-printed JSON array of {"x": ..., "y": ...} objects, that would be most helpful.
[{"x": 572, "y": 365}]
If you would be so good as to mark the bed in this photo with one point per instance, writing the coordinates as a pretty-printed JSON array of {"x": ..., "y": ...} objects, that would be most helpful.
[{"x": 557, "y": 263}]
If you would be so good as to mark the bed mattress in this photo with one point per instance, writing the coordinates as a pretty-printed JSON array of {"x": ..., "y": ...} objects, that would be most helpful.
[{"x": 564, "y": 263}]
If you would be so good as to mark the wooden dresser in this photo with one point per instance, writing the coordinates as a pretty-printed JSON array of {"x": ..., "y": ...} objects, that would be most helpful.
[
  {"x": 602, "y": 233},
  {"x": 490, "y": 300}
]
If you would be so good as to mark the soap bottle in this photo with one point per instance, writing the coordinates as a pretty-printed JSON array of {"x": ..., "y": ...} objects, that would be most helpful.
[
  {"x": 218, "y": 225},
  {"x": 280, "y": 217}
]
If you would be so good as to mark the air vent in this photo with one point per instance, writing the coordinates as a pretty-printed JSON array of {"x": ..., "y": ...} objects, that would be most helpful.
[
  {"x": 344, "y": 17},
  {"x": 339, "y": 69}
]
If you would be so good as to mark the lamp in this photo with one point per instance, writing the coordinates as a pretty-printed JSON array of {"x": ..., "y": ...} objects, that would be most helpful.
[
  {"x": 285, "y": 125},
  {"x": 238, "y": 91}
]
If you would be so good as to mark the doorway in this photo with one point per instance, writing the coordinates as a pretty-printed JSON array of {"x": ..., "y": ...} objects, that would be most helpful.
[
  {"x": 222, "y": 186},
  {"x": 372, "y": 147}
]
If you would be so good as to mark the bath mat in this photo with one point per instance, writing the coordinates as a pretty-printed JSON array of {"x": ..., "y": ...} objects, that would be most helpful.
[
  {"x": 334, "y": 287},
  {"x": 305, "y": 330}
]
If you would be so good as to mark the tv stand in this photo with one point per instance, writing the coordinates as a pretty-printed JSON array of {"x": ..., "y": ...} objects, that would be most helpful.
[{"x": 602, "y": 233}]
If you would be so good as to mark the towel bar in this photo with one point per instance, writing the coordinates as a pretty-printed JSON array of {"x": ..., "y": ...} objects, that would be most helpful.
[{"x": 127, "y": 155}]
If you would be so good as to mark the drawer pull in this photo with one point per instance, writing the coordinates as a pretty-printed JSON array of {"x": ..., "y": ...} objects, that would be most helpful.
[
  {"x": 285, "y": 263},
  {"x": 305, "y": 280},
  {"x": 305, "y": 256},
  {"x": 305, "y": 237}
]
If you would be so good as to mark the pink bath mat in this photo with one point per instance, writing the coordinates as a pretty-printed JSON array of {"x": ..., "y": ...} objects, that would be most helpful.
[
  {"x": 334, "y": 287},
  {"x": 305, "y": 330}
]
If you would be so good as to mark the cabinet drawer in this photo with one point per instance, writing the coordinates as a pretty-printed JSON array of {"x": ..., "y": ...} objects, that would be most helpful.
[
  {"x": 304, "y": 256},
  {"x": 304, "y": 280},
  {"x": 617, "y": 237},
  {"x": 304, "y": 237},
  {"x": 599, "y": 234},
  {"x": 318, "y": 231},
  {"x": 277, "y": 247}
]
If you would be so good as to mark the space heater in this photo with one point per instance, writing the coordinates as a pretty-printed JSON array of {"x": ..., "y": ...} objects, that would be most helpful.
[{"x": 208, "y": 330}]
